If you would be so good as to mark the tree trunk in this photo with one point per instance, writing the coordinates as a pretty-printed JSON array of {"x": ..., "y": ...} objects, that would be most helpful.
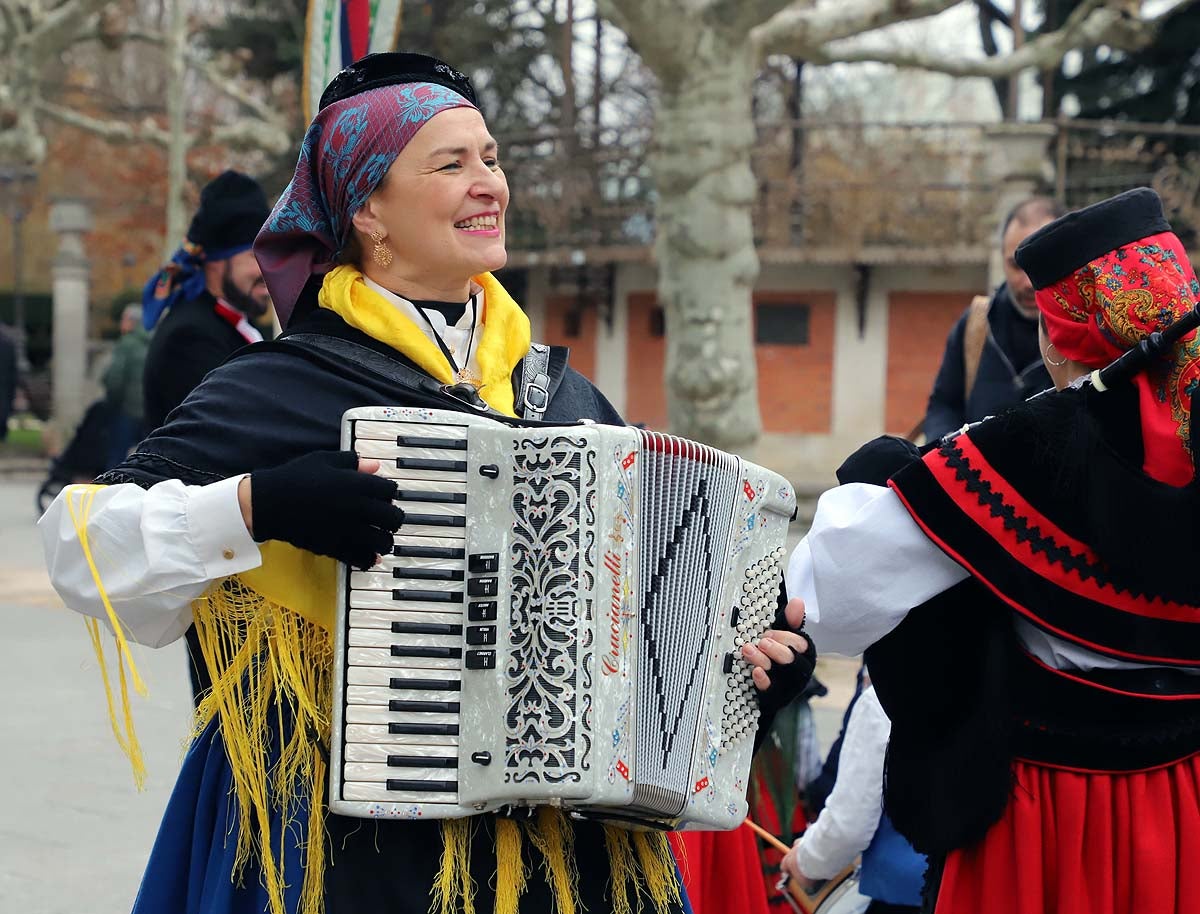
[
  {"x": 707, "y": 264},
  {"x": 177, "y": 149}
]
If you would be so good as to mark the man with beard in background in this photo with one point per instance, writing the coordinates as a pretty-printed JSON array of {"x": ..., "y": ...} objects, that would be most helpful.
[
  {"x": 201, "y": 307},
  {"x": 992, "y": 360}
]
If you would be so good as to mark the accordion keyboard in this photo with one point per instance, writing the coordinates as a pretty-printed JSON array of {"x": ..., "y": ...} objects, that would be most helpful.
[{"x": 414, "y": 621}]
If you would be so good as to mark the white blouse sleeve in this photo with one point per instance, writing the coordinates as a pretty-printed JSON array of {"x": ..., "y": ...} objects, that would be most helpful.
[
  {"x": 155, "y": 551},
  {"x": 863, "y": 565},
  {"x": 851, "y": 814}
]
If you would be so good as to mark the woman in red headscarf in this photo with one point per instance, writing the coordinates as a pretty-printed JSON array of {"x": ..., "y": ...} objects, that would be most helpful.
[{"x": 1028, "y": 589}]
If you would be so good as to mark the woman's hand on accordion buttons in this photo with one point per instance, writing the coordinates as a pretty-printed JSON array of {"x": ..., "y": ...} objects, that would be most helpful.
[
  {"x": 786, "y": 652},
  {"x": 328, "y": 502}
]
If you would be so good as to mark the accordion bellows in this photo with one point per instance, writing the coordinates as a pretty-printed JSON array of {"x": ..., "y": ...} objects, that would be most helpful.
[{"x": 558, "y": 623}]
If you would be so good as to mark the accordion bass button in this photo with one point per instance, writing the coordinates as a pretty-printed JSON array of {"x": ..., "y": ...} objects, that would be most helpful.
[{"x": 481, "y": 758}]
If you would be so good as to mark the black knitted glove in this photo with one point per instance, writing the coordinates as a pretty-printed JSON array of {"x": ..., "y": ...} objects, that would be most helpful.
[
  {"x": 322, "y": 503},
  {"x": 788, "y": 680}
]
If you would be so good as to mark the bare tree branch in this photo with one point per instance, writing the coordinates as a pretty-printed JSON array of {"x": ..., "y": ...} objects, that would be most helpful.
[
  {"x": 1092, "y": 23},
  {"x": 145, "y": 131},
  {"x": 801, "y": 29},
  {"x": 641, "y": 21},
  {"x": 211, "y": 71}
]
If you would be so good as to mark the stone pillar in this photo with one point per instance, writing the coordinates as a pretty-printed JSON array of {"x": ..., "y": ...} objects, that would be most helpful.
[
  {"x": 1019, "y": 166},
  {"x": 70, "y": 220}
]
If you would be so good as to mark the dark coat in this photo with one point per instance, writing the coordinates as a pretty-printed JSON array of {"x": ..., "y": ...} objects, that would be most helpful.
[
  {"x": 189, "y": 342},
  {"x": 1010, "y": 371}
]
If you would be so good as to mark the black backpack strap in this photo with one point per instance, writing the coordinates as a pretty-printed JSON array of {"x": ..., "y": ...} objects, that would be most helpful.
[{"x": 376, "y": 362}]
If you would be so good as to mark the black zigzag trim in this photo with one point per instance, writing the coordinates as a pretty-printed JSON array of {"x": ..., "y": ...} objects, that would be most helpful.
[{"x": 1025, "y": 532}]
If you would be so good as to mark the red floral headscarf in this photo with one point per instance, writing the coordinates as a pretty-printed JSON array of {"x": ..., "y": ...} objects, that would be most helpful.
[{"x": 1106, "y": 307}]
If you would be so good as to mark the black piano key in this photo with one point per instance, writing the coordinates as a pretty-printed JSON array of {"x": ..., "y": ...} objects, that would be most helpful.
[
  {"x": 441, "y": 685},
  {"x": 423, "y": 729},
  {"x": 423, "y": 786},
  {"x": 424, "y": 463},
  {"x": 428, "y": 552},
  {"x": 426, "y": 628},
  {"x": 428, "y": 574},
  {"x": 439, "y": 498},
  {"x": 451, "y": 444},
  {"x": 421, "y": 761},
  {"x": 482, "y": 587},
  {"x": 434, "y": 520},
  {"x": 481, "y": 634},
  {"x": 425, "y": 650},
  {"x": 428, "y": 596},
  {"x": 436, "y": 707}
]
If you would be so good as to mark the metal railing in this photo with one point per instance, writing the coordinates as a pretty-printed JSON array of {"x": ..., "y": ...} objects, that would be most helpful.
[{"x": 839, "y": 187}]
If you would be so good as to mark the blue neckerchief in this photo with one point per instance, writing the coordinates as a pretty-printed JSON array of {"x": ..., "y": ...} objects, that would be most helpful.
[{"x": 180, "y": 280}]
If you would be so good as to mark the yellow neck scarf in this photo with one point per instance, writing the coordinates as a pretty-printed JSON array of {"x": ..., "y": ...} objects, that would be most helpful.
[{"x": 504, "y": 342}]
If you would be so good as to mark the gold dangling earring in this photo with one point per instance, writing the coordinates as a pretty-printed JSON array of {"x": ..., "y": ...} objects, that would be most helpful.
[{"x": 381, "y": 253}]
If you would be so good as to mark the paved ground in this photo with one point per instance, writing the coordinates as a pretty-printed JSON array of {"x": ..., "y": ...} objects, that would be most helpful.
[{"x": 74, "y": 834}]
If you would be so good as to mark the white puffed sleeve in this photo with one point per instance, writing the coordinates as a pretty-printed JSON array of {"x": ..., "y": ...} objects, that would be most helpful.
[
  {"x": 155, "y": 550},
  {"x": 863, "y": 565}
]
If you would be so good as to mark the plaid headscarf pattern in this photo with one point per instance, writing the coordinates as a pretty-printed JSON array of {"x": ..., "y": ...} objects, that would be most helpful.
[{"x": 347, "y": 150}]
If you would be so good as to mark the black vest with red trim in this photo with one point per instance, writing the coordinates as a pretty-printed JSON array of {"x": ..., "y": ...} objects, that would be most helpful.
[{"x": 1048, "y": 508}]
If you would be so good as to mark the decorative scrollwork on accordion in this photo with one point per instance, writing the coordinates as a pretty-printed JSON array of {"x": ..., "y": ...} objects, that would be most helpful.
[{"x": 543, "y": 740}]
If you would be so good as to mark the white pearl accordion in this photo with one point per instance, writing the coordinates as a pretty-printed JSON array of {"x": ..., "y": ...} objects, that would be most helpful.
[{"x": 558, "y": 623}]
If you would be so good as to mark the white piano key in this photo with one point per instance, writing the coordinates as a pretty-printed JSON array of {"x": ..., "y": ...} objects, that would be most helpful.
[
  {"x": 376, "y": 676},
  {"x": 389, "y": 470},
  {"x": 381, "y": 695},
  {"x": 378, "y": 793},
  {"x": 377, "y": 735},
  {"x": 414, "y": 561},
  {"x": 383, "y": 599},
  {"x": 432, "y": 507},
  {"x": 385, "y": 580},
  {"x": 383, "y": 618},
  {"x": 369, "y": 656},
  {"x": 374, "y": 637},
  {"x": 374, "y": 714},
  {"x": 389, "y": 431},
  {"x": 368, "y": 771},
  {"x": 374, "y": 752}
]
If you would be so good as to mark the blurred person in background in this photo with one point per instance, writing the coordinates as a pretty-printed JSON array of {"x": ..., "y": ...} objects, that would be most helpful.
[
  {"x": 200, "y": 307},
  {"x": 992, "y": 360},
  {"x": 8, "y": 380},
  {"x": 123, "y": 386}
]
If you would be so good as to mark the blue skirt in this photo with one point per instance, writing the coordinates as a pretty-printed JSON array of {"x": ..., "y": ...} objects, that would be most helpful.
[{"x": 371, "y": 865}]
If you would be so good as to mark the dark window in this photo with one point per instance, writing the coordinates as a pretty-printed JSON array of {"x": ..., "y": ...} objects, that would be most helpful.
[
  {"x": 572, "y": 324},
  {"x": 658, "y": 321},
  {"x": 782, "y": 324}
]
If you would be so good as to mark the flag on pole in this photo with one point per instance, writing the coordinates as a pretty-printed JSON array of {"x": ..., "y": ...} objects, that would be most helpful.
[{"x": 338, "y": 33}]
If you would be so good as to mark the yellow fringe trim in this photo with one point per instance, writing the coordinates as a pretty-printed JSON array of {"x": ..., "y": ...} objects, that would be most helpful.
[
  {"x": 272, "y": 664},
  {"x": 79, "y": 505},
  {"x": 510, "y": 867},
  {"x": 453, "y": 890},
  {"x": 624, "y": 870},
  {"x": 658, "y": 867},
  {"x": 554, "y": 839}
]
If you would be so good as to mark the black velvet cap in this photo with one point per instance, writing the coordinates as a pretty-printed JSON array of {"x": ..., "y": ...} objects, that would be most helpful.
[
  {"x": 392, "y": 68},
  {"x": 1078, "y": 238},
  {"x": 232, "y": 209}
]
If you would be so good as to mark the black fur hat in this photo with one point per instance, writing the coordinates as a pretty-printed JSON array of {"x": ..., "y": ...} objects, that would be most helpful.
[{"x": 232, "y": 209}]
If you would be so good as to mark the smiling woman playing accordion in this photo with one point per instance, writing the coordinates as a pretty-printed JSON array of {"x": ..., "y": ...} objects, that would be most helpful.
[
  {"x": 1029, "y": 590},
  {"x": 378, "y": 259}
]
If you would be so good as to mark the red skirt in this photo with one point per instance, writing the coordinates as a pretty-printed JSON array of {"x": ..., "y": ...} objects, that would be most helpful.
[
  {"x": 1074, "y": 842},
  {"x": 721, "y": 871}
]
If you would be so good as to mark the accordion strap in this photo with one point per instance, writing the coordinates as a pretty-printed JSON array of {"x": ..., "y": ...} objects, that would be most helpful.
[{"x": 535, "y": 382}]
